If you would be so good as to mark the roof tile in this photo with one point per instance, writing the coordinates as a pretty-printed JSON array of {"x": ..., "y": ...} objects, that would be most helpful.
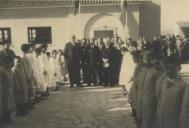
[{"x": 49, "y": 3}]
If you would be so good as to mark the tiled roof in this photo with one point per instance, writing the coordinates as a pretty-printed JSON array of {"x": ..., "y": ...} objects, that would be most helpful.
[{"x": 51, "y": 3}]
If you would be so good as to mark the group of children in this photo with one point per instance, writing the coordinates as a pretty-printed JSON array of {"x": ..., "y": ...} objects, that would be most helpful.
[
  {"x": 27, "y": 79},
  {"x": 159, "y": 96}
]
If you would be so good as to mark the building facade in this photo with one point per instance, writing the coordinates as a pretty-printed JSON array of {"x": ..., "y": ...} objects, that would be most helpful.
[
  {"x": 174, "y": 17},
  {"x": 53, "y": 21}
]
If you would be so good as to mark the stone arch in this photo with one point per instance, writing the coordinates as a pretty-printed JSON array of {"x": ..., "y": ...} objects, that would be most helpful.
[{"x": 98, "y": 17}]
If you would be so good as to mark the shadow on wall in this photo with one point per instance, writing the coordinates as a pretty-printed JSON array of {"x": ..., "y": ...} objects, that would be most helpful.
[
  {"x": 150, "y": 19},
  {"x": 133, "y": 25}
]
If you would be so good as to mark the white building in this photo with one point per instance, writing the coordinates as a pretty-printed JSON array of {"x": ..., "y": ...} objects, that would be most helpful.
[
  {"x": 53, "y": 21},
  {"x": 174, "y": 17}
]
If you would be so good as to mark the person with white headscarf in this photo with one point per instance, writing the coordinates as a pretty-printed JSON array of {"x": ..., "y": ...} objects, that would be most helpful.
[
  {"x": 53, "y": 69},
  {"x": 44, "y": 69},
  {"x": 127, "y": 66},
  {"x": 28, "y": 72}
]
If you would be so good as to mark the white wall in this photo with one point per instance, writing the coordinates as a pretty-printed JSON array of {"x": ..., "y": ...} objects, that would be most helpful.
[
  {"x": 173, "y": 11},
  {"x": 61, "y": 20},
  {"x": 64, "y": 23},
  {"x": 20, "y": 36},
  {"x": 88, "y": 13}
]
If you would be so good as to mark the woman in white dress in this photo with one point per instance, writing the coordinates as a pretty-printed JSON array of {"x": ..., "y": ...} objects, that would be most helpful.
[
  {"x": 37, "y": 71},
  {"x": 127, "y": 67},
  {"x": 59, "y": 66},
  {"x": 53, "y": 69},
  {"x": 44, "y": 69}
]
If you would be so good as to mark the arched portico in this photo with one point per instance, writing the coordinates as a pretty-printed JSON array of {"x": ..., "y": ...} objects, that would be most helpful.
[{"x": 105, "y": 24}]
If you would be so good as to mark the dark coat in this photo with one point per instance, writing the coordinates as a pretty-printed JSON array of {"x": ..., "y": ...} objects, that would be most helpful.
[
  {"x": 107, "y": 54},
  {"x": 94, "y": 56},
  {"x": 169, "y": 106},
  {"x": 133, "y": 92},
  {"x": 6, "y": 81},
  {"x": 184, "y": 116},
  {"x": 117, "y": 57},
  {"x": 149, "y": 102},
  {"x": 1, "y": 99},
  {"x": 84, "y": 55},
  {"x": 159, "y": 82},
  {"x": 139, "y": 88},
  {"x": 72, "y": 54},
  {"x": 20, "y": 85}
]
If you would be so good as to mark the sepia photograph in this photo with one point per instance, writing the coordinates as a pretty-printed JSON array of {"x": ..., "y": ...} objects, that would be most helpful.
[{"x": 94, "y": 63}]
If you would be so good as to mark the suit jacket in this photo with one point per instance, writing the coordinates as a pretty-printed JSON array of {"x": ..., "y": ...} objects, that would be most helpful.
[
  {"x": 72, "y": 54},
  {"x": 116, "y": 57},
  {"x": 94, "y": 56},
  {"x": 84, "y": 55},
  {"x": 107, "y": 54}
]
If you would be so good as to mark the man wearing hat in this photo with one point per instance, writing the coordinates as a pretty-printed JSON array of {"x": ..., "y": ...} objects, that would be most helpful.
[{"x": 72, "y": 56}]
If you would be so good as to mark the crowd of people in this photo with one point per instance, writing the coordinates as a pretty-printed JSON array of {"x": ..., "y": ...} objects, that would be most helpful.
[
  {"x": 96, "y": 61},
  {"x": 159, "y": 96},
  {"x": 28, "y": 79},
  {"x": 148, "y": 69}
]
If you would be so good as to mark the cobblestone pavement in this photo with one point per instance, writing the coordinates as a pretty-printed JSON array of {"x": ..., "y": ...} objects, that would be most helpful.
[{"x": 94, "y": 107}]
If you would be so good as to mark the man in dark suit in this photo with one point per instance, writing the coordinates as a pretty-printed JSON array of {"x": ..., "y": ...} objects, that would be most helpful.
[
  {"x": 72, "y": 56},
  {"x": 100, "y": 67},
  {"x": 106, "y": 54},
  {"x": 84, "y": 60},
  {"x": 117, "y": 60},
  {"x": 94, "y": 61}
]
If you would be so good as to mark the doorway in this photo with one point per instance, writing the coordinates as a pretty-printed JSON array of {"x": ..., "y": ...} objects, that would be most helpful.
[{"x": 103, "y": 33}]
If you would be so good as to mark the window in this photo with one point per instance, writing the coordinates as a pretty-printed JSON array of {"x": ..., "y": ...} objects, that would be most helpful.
[
  {"x": 5, "y": 35},
  {"x": 39, "y": 35}
]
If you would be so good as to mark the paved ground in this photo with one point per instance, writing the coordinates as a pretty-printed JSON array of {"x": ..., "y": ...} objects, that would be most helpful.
[{"x": 94, "y": 107}]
